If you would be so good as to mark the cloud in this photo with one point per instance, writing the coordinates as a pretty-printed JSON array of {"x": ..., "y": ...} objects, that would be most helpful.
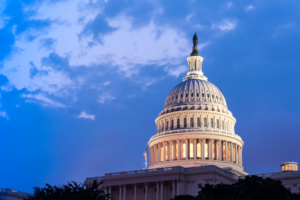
[
  {"x": 106, "y": 83},
  {"x": 188, "y": 18},
  {"x": 225, "y": 25},
  {"x": 84, "y": 115},
  {"x": 250, "y": 7},
  {"x": 3, "y": 114},
  {"x": 178, "y": 70},
  {"x": 48, "y": 44},
  {"x": 40, "y": 98},
  {"x": 105, "y": 98},
  {"x": 229, "y": 4}
]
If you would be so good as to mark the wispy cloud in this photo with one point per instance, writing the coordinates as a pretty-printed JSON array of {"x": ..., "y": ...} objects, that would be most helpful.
[
  {"x": 225, "y": 25},
  {"x": 188, "y": 18},
  {"x": 178, "y": 70},
  {"x": 84, "y": 115},
  {"x": 105, "y": 98},
  {"x": 3, "y": 114},
  {"x": 40, "y": 98},
  {"x": 250, "y": 7}
]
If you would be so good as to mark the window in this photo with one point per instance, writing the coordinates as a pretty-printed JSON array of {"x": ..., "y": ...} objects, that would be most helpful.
[
  {"x": 191, "y": 150},
  {"x": 186, "y": 95},
  {"x": 198, "y": 150},
  {"x": 167, "y": 127},
  {"x": 181, "y": 95},
  {"x": 172, "y": 97},
  {"x": 199, "y": 186},
  {"x": 291, "y": 167},
  {"x": 197, "y": 94},
  {"x": 205, "y": 122},
  {"x": 192, "y": 94},
  {"x": 212, "y": 96},
  {"x": 162, "y": 129},
  {"x": 224, "y": 152},
  {"x": 172, "y": 150},
  {"x": 202, "y": 94},
  {"x": 178, "y": 123},
  {"x": 286, "y": 167},
  {"x": 192, "y": 122},
  {"x": 282, "y": 168},
  {"x": 184, "y": 122},
  {"x": 218, "y": 125},
  {"x": 212, "y": 122},
  {"x": 206, "y": 150},
  {"x": 176, "y": 96},
  {"x": 166, "y": 152},
  {"x": 223, "y": 125},
  {"x": 198, "y": 122},
  {"x": 207, "y": 95},
  {"x": 217, "y": 97},
  {"x": 229, "y": 158},
  {"x": 183, "y": 150}
]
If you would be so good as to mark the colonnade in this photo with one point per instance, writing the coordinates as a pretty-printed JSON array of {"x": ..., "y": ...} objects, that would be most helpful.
[
  {"x": 207, "y": 121},
  {"x": 158, "y": 190},
  {"x": 196, "y": 148}
]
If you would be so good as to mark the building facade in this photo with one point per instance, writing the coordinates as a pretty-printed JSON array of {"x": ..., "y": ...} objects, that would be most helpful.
[{"x": 195, "y": 144}]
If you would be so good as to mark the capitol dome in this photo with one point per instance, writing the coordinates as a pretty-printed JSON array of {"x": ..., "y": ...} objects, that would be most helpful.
[{"x": 195, "y": 127}]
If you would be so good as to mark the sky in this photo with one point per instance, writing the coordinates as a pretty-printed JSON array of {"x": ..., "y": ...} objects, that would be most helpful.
[{"x": 82, "y": 81}]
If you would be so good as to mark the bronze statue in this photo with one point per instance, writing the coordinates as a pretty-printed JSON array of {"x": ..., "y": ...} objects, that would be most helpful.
[{"x": 195, "y": 48}]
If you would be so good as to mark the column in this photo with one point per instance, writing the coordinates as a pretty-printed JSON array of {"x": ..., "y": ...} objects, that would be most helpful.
[
  {"x": 195, "y": 148},
  {"x": 169, "y": 151},
  {"x": 226, "y": 151},
  {"x": 154, "y": 159},
  {"x": 158, "y": 155},
  {"x": 134, "y": 193},
  {"x": 150, "y": 160},
  {"x": 146, "y": 191},
  {"x": 124, "y": 192},
  {"x": 241, "y": 160},
  {"x": 178, "y": 187},
  {"x": 220, "y": 149},
  {"x": 173, "y": 189},
  {"x": 210, "y": 151},
  {"x": 236, "y": 159},
  {"x": 203, "y": 149},
  {"x": 231, "y": 152},
  {"x": 179, "y": 149},
  {"x": 162, "y": 190},
  {"x": 164, "y": 151},
  {"x": 157, "y": 190},
  {"x": 186, "y": 149},
  {"x": 120, "y": 192}
]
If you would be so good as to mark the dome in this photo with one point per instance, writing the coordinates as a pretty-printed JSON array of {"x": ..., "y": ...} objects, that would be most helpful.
[{"x": 195, "y": 92}]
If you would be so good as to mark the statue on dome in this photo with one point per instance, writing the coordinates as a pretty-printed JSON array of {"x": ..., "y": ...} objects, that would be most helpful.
[{"x": 195, "y": 47}]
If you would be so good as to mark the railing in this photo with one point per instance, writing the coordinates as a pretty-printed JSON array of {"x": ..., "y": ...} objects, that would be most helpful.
[{"x": 278, "y": 174}]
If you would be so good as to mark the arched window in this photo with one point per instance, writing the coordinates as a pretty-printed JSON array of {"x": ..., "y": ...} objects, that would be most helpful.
[
  {"x": 186, "y": 95},
  {"x": 172, "y": 124},
  {"x": 192, "y": 122},
  {"x": 167, "y": 127},
  {"x": 177, "y": 96},
  {"x": 178, "y": 123},
  {"x": 197, "y": 94},
  {"x": 184, "y": 122},
  {"x": 198, "y": 122},
  {"x": 162, "y": 129},
  {"x": 211, "y": 122},
  {"x": 198, "y": 149},
  {"x": 183, "y": 150},
  {"x": 191, "y": 149},
  {"x": 218, "y": 125},
  {"x": 205, "y": 122},
  {"x": 223, "y": 125},
  {"x": 181, "y": 95},
  {"x": 202, "y": 94},
  {"x": 192, "y": 94}
]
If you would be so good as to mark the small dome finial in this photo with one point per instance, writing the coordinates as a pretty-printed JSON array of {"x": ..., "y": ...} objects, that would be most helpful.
[{"x": 195, "y": 48}]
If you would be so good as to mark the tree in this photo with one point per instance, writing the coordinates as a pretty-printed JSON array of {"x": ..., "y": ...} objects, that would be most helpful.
[
  {"x": 71, "y": 191},
  {"x": 249, "y": 188}
]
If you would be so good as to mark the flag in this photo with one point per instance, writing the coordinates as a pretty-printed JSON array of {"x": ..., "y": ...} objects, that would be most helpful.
[{"x": 145, "y": 153}]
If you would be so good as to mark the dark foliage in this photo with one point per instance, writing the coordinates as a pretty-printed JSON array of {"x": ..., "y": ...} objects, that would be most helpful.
[
  {"x": 250, "y": 188},
  {"x": 71, "y": 191}
]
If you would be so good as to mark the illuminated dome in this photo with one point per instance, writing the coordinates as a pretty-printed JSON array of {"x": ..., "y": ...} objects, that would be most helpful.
[{"x": 195, "y": 128}]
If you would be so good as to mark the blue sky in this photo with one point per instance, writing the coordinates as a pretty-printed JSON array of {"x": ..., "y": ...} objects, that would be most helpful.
[{"x": 82, "y": 81}]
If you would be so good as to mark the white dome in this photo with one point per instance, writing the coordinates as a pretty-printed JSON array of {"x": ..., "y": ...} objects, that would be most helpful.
[{"x": 195, "y": 92}]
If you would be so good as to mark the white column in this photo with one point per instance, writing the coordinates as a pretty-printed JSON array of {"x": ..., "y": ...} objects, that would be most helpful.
[
  {"x": 157, "y": 190},
  {"x": 179, "y": 149},
  {"x": 195, "y": 148},
  {"x": 146, "y": 191},
  {"x": 162, "y": 190},
  {"x": 231, "y": 152},
  {"x": 124, "y": 192},
  {"x": 210, "y": 151},
  {"x": 226, "y": 151},
  {"x": 186, "y": 149},
  {"x": 178, "y": 187},
  {"x": 159, "y": 152},
  {"x": 164, "y": 151},
  {"x": 134, "y": 194},
  {"x": 241, "y": 155},
  {"x": 220, "y": 149},
  {"x": 173, "y": 189},
  {"x": 154, "y": 150},
  {"x": 203, "y": 149},
  {"x": 235, "y": 148},
  {"x": 120, "y": 192}
]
